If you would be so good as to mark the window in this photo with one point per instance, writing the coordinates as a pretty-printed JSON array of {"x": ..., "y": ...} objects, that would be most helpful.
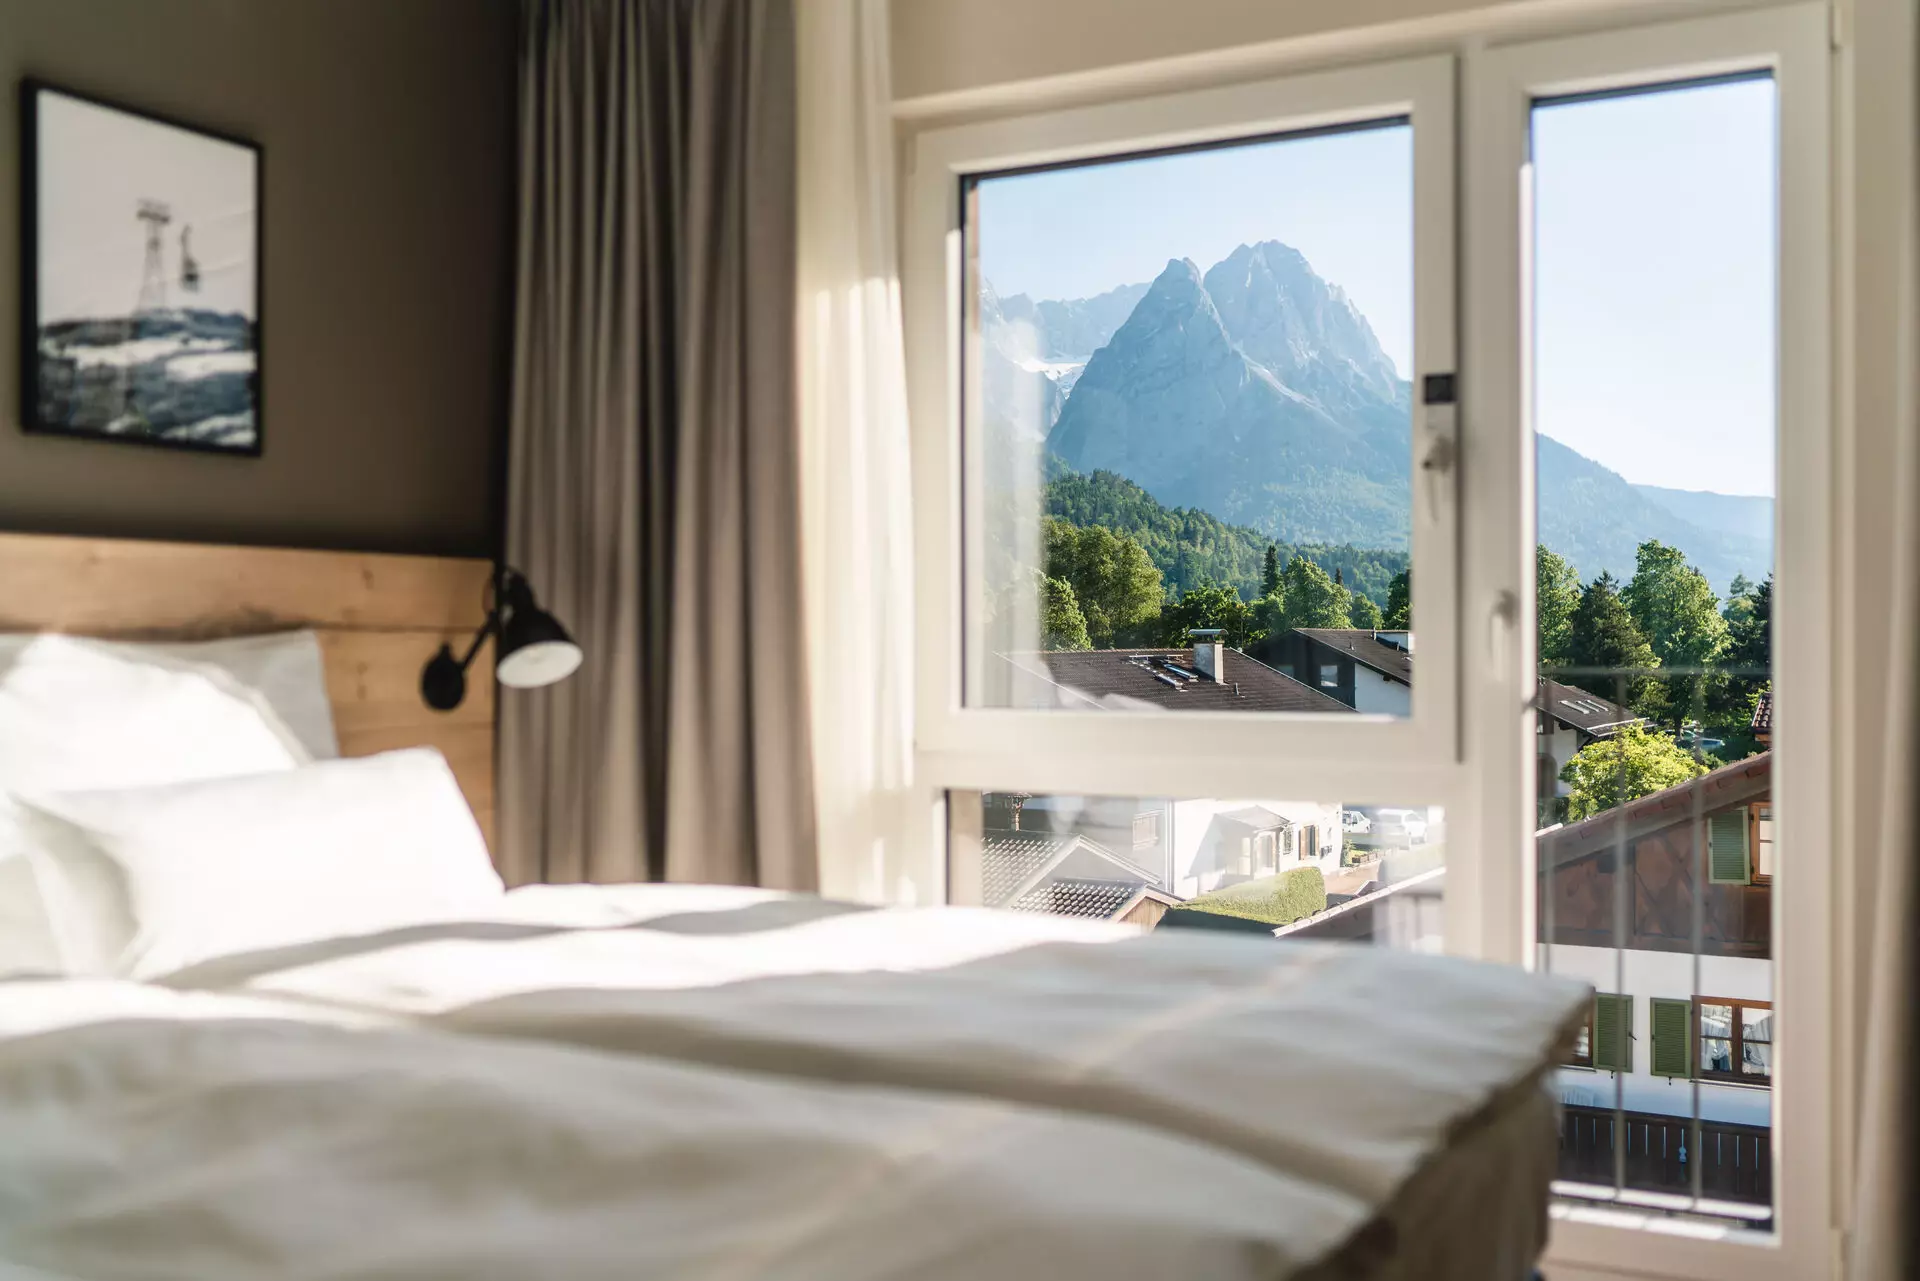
[
  {"x": 1588, "y": 435},
  {"x": 1761, "y": 841},
  {"x": 1146, "y": 829},
  {"x": 1736, "y": 1041},
  {"x": 1581, "y": 1056}
]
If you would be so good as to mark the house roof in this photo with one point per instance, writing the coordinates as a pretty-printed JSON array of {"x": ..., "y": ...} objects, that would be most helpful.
[
  {"x": 1736, "y": 784},
  {"x": 1763, "y": 713},
  {"x": 1257, "y": 817},
  {"x": 1060, "y": 873},
  {"x": 1588, "y": 713},
  {"x": 1142, "y": 679},
  {"x": 1365, "y": 648},
  {"x": 1102, "y": 900}
]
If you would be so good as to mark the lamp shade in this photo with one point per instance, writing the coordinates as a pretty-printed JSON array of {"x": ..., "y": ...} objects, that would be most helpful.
[{"x": 533, "y": 648}]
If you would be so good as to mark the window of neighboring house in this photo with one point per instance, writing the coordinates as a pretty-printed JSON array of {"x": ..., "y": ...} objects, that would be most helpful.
[
  {"x": 1266, "y": 853},
  {"x": 1761, "y": 841},
  {"x": 1329, "y": 676},
  {"x": 1736, "y": 1040},
  {"x": 1146, "y": 829},
  {"x": 1582, "y": 1052}
]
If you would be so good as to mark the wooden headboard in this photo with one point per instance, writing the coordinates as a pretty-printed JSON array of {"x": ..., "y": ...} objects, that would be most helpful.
[{"x": 379, "y": 619}]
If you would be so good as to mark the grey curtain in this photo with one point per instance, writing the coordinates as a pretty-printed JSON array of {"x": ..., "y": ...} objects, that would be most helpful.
[{"x": 653, "y": 469}]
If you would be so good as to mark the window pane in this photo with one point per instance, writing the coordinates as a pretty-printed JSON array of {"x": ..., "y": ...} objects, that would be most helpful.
[
  {"x": 1355, "y": 873},
  {"x": 1654, "y": 252},
  {"x": 1190, "y": 417}
]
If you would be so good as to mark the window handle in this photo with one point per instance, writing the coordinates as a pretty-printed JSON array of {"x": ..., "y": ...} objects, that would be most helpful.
[
  {"x": 1503, "y": 621},
  {"x": 1442, "y": 451}
]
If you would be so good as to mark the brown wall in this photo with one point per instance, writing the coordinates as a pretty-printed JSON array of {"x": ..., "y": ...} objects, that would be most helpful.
[
  {"x": 1736, "y": 920},
  {"x": 386, "y": 294}
]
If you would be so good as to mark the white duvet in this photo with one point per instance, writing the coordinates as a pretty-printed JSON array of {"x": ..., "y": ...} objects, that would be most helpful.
[{"x": 673, "y": 1082}]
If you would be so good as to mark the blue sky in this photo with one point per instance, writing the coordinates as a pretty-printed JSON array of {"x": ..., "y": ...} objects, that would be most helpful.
[{"x": 1654, "y": 260}]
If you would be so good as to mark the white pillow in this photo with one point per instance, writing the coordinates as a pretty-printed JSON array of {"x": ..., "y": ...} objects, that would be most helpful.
[
  {"x": 148, "y": 881},
  {"x": 80, "y": 714},
  {"x": 284, "y": 669}
]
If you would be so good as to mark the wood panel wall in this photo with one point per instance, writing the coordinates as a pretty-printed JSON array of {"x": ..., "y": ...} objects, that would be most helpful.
[{"x": 379, "y": 619}]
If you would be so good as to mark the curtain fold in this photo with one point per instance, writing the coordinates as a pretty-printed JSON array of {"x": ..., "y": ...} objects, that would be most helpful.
[
  {"x": 652, "y": 490},
  {"x": 858, "y": 487},
  {"x": 1884, "y": 1227}
]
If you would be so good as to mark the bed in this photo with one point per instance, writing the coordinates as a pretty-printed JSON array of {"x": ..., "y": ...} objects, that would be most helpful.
[{"x": 292, "y": 1026}]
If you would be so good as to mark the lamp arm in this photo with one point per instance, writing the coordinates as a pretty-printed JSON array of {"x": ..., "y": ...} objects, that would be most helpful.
[{"x": 480, "y": 638}]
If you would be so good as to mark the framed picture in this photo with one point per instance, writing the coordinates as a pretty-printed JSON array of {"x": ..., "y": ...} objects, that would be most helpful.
[{"x": 140, "y": 276}]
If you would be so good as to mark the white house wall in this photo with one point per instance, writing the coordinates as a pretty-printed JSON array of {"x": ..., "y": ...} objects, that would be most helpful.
[
  {"x": 1668, "y": 975},
  {"x": 1201, "y": 860},
  {"x": 1375, "y": 694}
]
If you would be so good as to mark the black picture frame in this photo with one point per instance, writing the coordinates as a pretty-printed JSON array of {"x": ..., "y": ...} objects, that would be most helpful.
[{"x": 35, "y": 398}]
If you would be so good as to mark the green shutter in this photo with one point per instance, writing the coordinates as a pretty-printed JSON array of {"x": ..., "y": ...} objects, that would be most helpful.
[
  {"x": 1613, "y": 1032},
  {"x": 1672, "y": 1025},
  {"x": 1727, "y": 848}
]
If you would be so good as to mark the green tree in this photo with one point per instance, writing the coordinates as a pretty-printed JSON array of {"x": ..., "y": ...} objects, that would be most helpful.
[
  {"x": 1631, "y": 764},
  {"x": 1616, "y": 658},
  {"x": 1116, "y": 585},
  {"x": 1747, "y": 667},
  {"x": 1678, "y": 613},
  {"x": 1557, "y": 597},
  {"x": 1270, "y": 572},
  {"x": 1739, "y": 604},
  {"x": 1674, "y": 608},
  {"x": 1399, "y": 615},
  {"x": 1062, "y": 624},
  {"x": 1208, "y": 605},
  {"x": 1312, "y": 598},
  {"x": 1365, "y": 613}
]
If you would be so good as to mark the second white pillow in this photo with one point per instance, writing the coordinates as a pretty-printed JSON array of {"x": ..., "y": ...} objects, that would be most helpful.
[{"x": 198, "y": 870}]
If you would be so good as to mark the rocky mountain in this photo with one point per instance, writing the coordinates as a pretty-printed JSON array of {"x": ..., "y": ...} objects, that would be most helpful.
[
  {"x": 1257, "y": 392},
  {"x": 1185, "y": 399}
]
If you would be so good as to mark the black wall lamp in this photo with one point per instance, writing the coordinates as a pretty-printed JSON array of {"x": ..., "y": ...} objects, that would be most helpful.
[{"x": 531, "y": 647}]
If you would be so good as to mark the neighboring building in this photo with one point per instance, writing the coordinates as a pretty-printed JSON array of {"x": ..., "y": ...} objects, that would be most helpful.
[
  {"x": 1209, "y": 677},
  {"x": 1192, "y": 846},
  {"x": 1569, "y": 719},
  {"x": 1762, "y": 723},
  {"x": 1672, "y": 1019},
  {"x": 1368, "y": 671},
  {"x": 1065, "y": 875}
]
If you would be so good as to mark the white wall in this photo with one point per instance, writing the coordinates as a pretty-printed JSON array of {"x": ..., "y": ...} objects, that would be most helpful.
[
  {"x": 1668, "y": 975},
  {"x": 1203, "y": 848},
  {"x": 1374, "y": 693}
]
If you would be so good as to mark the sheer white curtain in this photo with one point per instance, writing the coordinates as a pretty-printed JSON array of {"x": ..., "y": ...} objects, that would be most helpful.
[{"x": 857, "y": 524}]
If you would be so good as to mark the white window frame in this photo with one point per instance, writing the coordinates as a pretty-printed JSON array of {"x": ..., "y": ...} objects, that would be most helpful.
[
  {"x": 1412, "y": 760},
  {"x": 1484, "y": 774},
  {"x": 1501, "y": 85}
]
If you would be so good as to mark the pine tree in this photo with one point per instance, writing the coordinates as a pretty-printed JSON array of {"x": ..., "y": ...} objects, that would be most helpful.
[
  {"x": 1399, "y": 616},
  {"x": 1365, "y": 614},
  {"x": 1604, "y": 640},
  {"x": 1270, "y": 574},
  {"x": 1337, "y": 579}
]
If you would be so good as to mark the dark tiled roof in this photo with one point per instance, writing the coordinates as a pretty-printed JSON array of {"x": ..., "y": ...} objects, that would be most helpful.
[
  {"x": 1763, "y": 713},
  {"x": 1165, "y": 678},
  {"x": 1102, "y": 900},
  {"x": 1364, "y": 648},
  {"x": 1740, "y": 783},
  {"x": 1588, "y": 713},
  {"x": 1008, "y": 860}
]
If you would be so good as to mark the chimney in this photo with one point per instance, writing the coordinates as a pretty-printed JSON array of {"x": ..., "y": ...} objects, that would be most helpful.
[{"x": 1209, "y": 654}]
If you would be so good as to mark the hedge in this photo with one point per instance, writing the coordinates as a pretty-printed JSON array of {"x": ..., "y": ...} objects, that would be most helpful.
[{"x": 1271, "y": 900}]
